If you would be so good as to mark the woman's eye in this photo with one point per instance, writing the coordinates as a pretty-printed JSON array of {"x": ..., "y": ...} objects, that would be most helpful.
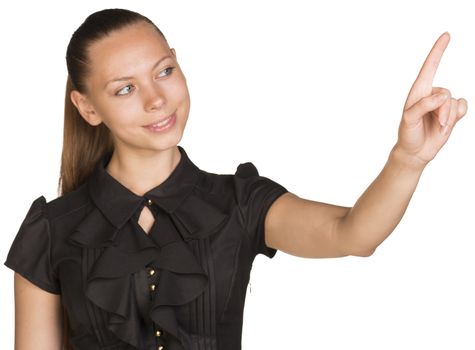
[
  {"x": 170, "y": 69},
  {"x": 124, "y": 91}
]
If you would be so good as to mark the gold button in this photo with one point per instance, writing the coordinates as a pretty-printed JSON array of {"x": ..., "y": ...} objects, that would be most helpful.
[
  {"x": 151, "y": 272},
  {"x": 149, "y": 202},
  {"x": 152, "y": 287},
  {"x": 158, "y": 333},
  {"x": 161, "y": 348}
]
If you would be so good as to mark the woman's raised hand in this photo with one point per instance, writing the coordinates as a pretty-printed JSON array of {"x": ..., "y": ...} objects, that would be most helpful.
[{"x": 430, "y": 113}]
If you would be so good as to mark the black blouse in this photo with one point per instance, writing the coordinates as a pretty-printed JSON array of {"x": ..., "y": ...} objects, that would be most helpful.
[{"x": 182, "y": 286}]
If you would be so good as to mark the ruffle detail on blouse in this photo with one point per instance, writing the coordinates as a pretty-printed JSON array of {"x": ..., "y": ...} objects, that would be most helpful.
[{"x": 127, "y": 251}]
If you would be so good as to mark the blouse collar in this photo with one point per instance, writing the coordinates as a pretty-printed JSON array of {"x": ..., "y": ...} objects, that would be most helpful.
[
  {"x": 188, "y": 214},
  {"x": 117, "y": 203}
]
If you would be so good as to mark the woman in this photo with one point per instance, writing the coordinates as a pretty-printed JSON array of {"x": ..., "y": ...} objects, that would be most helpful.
[{"x": 144, "y": 250}]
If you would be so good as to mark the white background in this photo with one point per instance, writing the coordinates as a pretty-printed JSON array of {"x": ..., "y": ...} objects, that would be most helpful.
[{"x": 312, "y": 94}]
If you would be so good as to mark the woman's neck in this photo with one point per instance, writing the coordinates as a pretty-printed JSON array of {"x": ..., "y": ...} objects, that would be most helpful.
[{"x": 142, "y": 171}]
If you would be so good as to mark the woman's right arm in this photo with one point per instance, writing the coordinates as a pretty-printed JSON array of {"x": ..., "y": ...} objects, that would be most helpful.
[{"x": 38, "y": 317}]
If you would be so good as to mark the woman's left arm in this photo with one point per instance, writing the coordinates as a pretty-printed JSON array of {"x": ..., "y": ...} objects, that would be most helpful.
[{"x": 313, "y": 229}]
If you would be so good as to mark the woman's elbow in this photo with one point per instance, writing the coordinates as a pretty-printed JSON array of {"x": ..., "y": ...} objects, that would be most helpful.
[{"x": 363, "y": 251}]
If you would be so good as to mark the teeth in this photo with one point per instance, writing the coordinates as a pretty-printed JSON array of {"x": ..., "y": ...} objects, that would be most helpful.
[{"x": 163, "y": 122}]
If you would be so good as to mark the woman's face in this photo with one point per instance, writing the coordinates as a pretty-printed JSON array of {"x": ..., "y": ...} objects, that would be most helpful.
[{"x": 135, "y": 82}]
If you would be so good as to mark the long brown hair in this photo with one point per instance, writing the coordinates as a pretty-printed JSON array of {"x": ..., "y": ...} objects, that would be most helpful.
[{"x": 84, "y": 144}]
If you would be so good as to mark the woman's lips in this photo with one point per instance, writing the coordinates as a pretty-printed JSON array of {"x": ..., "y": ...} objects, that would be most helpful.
[{"x": 163, "y": 124}]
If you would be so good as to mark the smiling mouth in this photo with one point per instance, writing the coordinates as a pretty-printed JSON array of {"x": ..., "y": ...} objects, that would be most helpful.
[
  {"x": 163, "y": 124},
  {"x": 160, "y": 122}
]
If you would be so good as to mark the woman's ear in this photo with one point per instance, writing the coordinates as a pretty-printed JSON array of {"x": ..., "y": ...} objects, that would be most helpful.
[{"x": 86, "y": 110}]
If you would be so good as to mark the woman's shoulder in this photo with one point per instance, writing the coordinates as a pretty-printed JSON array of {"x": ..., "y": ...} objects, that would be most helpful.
[
  {"x": 68, "y": 203},
  {"x": 243, "y": 186},
  {"x": 245, "y": 172},
  {"x": 241, "y": 170},
  {"x": 217, "y": 182}
]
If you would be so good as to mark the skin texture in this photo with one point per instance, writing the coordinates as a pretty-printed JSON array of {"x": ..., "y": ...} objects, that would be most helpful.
[{"x": 143, "y": 160}]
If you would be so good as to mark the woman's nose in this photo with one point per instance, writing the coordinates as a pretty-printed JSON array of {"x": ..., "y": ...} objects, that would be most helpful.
[{"x": 153, "y": 97}]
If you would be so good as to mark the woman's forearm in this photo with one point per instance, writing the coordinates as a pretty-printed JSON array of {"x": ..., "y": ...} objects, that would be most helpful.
[
  {"x": 380, "y": 208},
  {"x": 38, "y": 317}
]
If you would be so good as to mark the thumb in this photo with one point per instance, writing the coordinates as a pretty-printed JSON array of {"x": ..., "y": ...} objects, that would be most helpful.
[{"x": 425, "y": 105}]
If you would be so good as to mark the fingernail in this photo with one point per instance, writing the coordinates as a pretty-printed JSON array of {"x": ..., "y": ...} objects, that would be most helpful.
[{"x": 442, "y": 96}]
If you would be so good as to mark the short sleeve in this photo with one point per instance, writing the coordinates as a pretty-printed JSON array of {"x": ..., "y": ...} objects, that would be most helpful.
[
  {"x": 255, "y": 194},
  {"x": 30, "y": 252}
]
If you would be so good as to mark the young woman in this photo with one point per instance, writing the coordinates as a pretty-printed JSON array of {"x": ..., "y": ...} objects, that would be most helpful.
[{"x": 144, "y": 250}]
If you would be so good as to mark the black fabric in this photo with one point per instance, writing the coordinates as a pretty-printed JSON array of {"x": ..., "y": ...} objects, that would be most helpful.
[{"x": 88, "y": 247}]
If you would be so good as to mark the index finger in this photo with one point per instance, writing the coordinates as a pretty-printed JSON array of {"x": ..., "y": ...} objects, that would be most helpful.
[{"x": 422, "y": 86}]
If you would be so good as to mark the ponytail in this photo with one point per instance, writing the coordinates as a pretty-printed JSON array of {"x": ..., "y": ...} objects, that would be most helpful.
[{"x": 83, "y": 145}]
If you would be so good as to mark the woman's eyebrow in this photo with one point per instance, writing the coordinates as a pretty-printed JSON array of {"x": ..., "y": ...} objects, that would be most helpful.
[{"x": 127, "y": 78}]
